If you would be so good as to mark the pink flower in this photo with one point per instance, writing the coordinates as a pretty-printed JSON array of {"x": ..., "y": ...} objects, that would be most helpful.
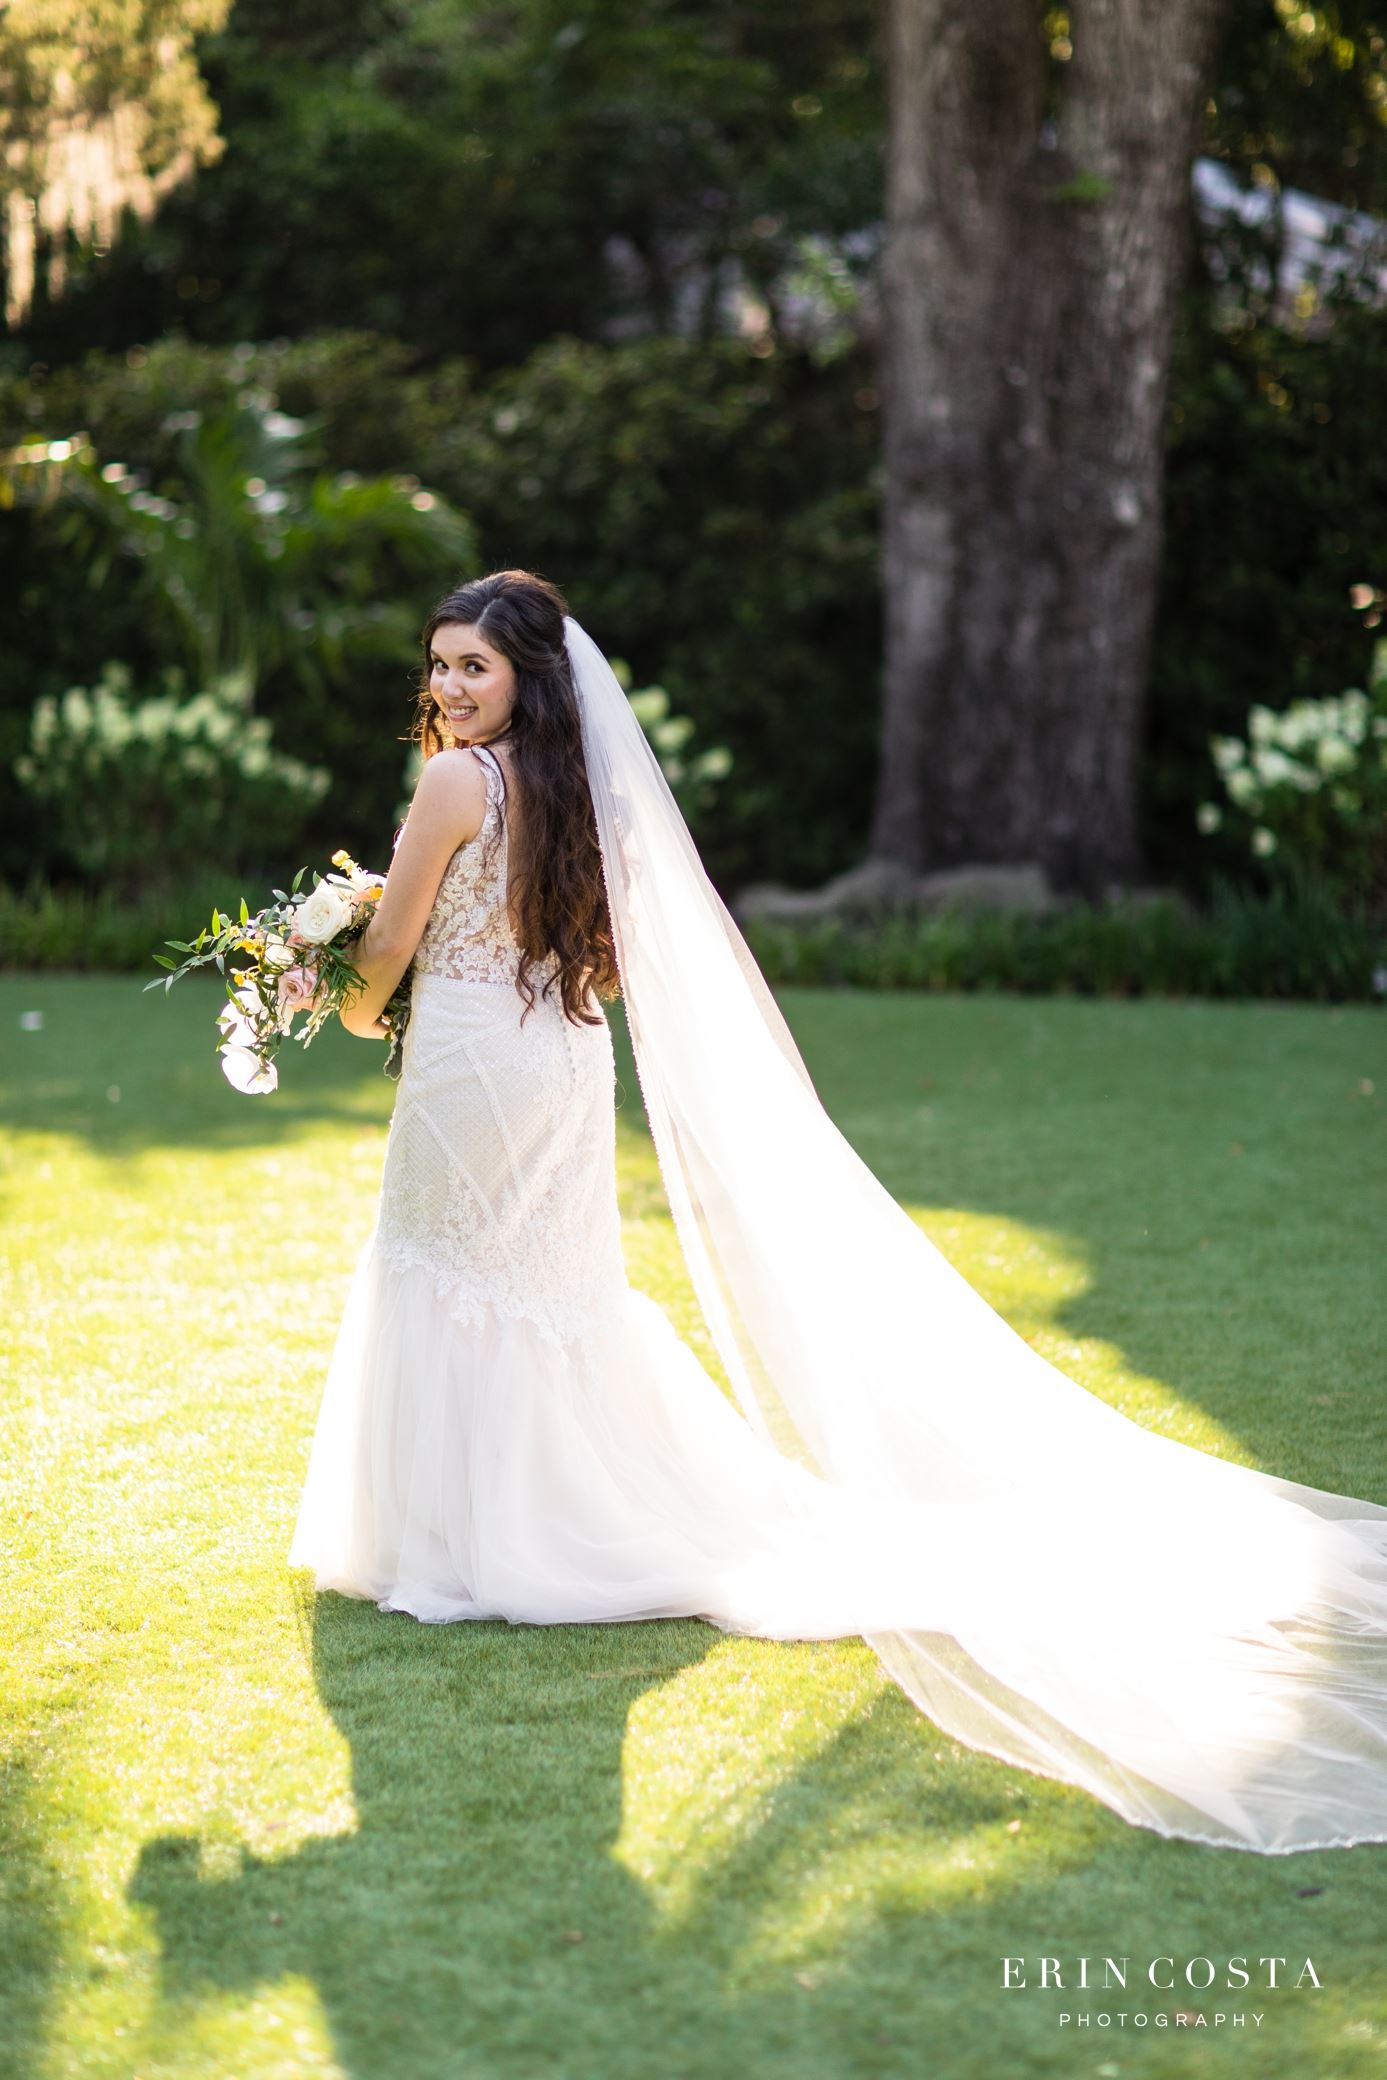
[{"x": 297, "y": 988}]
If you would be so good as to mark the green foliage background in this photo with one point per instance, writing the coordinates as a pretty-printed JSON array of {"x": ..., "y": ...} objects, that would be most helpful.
[{"x": 403, "y": 241}]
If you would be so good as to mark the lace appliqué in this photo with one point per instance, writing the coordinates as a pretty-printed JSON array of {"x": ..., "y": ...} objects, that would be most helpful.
[
  {"x": 469, "y": 933},
  {"x": 500, "y": 1167}
]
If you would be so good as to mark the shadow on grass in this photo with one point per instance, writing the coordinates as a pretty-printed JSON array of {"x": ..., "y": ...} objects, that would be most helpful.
[
  {"x": 33, "y": 1911},
  {"x": 480, "y": 1915},
  {"x": 478, "y": 1919},
  {"x": 1217, "y": 1170},
  {"x": 126, "y": 1073},
  {"x": 1219, "y": 1197}
]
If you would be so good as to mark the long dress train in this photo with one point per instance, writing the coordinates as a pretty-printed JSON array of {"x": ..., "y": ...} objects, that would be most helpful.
[{"x": 509, "y": 1430}]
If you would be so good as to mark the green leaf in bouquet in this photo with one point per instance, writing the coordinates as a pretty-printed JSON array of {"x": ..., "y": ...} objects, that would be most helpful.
[
  {"x": 245, "y": 912},
  {"x": 164, "y": 962}
]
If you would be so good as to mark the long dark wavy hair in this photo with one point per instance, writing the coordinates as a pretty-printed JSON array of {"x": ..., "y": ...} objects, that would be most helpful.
[{"x": 559, "y": 902}]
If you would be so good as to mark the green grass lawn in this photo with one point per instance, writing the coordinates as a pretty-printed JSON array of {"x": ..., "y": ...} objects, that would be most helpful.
[{"x": 249, "y": 1832}]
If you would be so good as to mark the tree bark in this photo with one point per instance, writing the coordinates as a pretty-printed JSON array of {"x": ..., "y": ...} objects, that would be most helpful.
[{"x": 1037, "y": 234}]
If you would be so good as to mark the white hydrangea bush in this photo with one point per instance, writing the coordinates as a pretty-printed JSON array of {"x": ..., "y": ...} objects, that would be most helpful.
[
  {"x": 1306, "y": 789},
  {"x": 144, "y": 791}
]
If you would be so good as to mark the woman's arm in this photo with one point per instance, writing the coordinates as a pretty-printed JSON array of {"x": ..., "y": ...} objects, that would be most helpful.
[{"x": 447, "y": 810}]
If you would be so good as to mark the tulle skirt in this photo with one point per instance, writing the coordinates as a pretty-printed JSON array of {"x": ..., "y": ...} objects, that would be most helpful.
[
  {"x": 482, "y": 1470},
  {"x": 508, "y": 1428}
]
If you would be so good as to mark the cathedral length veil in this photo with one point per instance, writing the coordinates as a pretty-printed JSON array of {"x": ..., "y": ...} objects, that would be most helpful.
[{"x": 1200, "y": 1645}]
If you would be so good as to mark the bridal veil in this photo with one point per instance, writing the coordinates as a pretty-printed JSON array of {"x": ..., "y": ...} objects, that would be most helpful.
[{"x": 1200, "y": 1645}]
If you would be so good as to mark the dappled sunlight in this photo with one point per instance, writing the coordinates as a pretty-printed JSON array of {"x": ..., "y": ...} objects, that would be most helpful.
[
  {"x": 244, "y": 1813},
  {"x": 769, "y": 1806},
  {"x": 1032, "y": 1276},
  {"x": 862, "y": 1880},
  {"x": 282, "y": 2025},
  {"x": 704, "y": 1754}
]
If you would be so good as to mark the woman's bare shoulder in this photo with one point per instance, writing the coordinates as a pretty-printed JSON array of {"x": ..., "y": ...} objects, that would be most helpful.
[{"x": 454, "y": 775}]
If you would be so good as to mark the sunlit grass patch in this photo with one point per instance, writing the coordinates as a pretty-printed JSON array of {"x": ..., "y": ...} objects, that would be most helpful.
[{"x": 249, "y": 1831}]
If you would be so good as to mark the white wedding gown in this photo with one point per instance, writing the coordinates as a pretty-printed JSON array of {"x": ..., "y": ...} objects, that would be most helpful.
[{"x": 508, "y": 1430}]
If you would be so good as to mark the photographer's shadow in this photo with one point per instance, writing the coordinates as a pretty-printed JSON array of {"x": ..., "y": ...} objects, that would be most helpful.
[
  {"x": 476, "y": 1905},
  {"x": 464, "y": 1904}
]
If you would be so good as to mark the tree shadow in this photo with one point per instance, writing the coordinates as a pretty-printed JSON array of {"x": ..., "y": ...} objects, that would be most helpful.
[
  {"x": 1173, "y": 1182},
  {"x": 1188, "y": 1186},
  {"x": 127, "y": 1073},
  {"x": 470, "y": 1903}
]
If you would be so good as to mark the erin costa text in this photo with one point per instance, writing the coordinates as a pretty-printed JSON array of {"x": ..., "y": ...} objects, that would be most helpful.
[{"x": 1164, "y": 1972}]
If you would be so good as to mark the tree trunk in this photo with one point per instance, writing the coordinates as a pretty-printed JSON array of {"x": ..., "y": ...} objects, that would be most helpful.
[{"x": 1029, "y": 287}]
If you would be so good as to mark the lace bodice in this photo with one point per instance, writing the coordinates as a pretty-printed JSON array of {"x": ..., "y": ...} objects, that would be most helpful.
[
  {"x": 500, "y": 1167},
  {"x": 469, "y": 934}
]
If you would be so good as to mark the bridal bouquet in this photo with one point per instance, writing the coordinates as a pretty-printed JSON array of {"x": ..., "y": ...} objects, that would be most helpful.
[{"x": 299, "y": 950}]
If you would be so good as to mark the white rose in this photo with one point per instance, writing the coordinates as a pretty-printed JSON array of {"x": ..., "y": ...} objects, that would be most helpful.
[
  {"x": 245, "y": 1072},
  {"x": 240, "y": 1017},
  {"x": 322, "y": 915},
  {"x": 278, "y": 955}
]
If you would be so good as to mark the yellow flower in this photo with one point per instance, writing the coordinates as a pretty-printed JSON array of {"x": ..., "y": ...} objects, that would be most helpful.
[{"x": 344, "y": 859}]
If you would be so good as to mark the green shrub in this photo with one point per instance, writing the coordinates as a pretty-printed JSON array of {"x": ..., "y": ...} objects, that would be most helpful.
[
  {"x": 217, "y": 542},
  {"x": 711, "y": 515},
  {"x": 99, "y": 932},
  {"x": 714, "y": 516},
  {"x": 1280, "y": 945},
  {"x": 142, "y": 793},
  {"x": 1275, "y": 545},
  {"x": 1307, "y": 791},
  {"x": 1294, "y": 942}
]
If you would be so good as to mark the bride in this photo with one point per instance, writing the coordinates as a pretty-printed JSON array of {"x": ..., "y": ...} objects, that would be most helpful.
[{"x": 510, "y": 1430}]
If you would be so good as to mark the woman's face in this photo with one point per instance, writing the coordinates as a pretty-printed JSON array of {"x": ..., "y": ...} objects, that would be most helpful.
[{"x": 473, "y": 684}]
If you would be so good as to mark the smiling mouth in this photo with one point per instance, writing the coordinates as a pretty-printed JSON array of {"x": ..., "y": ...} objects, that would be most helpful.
[{"x": 461, "y": 714}]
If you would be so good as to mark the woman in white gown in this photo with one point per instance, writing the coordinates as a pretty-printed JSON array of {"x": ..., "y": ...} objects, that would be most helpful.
[{"x": 510, "y": 1430}]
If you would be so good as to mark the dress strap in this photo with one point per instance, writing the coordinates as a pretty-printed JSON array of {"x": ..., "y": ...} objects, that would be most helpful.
[
  {"x": 496, "y": 818},
  {"x": 495, "y": 776}
]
